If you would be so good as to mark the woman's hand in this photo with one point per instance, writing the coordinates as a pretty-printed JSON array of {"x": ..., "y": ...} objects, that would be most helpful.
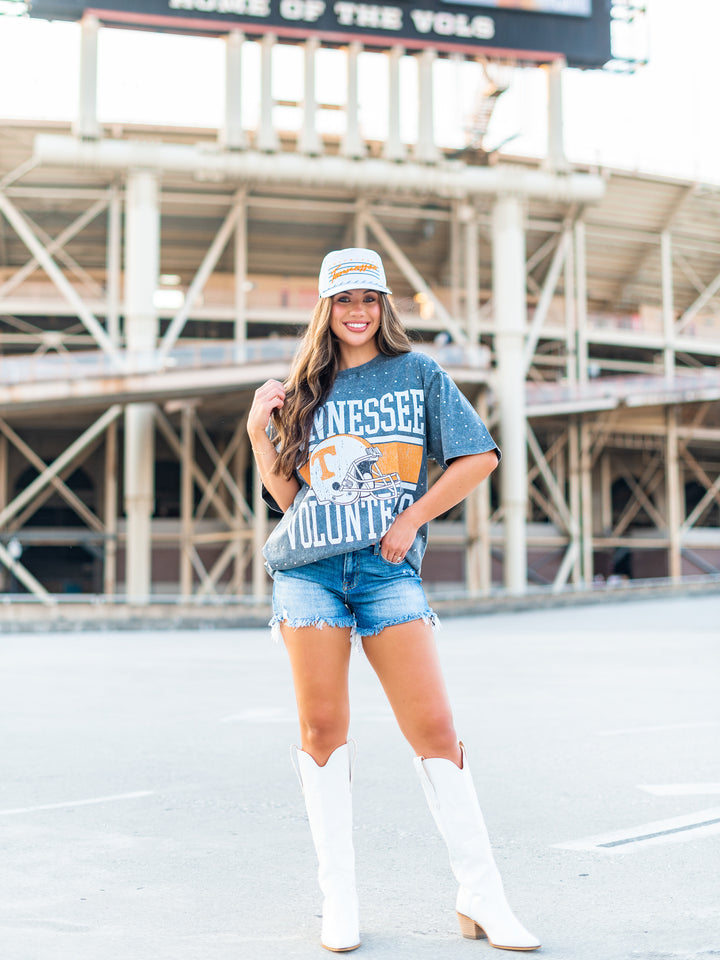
[
  {"x": 270, "y": 396},
  {"x": 398, "y": 539},
  {"x": 460, "y": 478}
]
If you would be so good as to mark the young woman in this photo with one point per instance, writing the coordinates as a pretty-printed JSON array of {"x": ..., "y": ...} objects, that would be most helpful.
[{"x": 342, "y": 450}]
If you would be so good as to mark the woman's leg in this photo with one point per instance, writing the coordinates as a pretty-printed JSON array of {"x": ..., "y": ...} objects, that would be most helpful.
[
  {"x": 319, "y": 659},
  {"x": 406, "y": 661}
]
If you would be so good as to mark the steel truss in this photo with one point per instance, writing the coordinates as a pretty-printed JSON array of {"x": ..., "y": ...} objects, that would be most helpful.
[
  {"x": 571, "y": 525},
  {"x": 493, "y": 258}
]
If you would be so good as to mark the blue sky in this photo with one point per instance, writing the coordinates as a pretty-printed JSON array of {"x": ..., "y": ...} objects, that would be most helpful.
[{"x": 659, "y": 120}]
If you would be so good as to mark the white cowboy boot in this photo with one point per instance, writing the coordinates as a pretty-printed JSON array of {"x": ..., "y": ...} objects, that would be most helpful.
[
  {"x": 481, "y": 906},
  {"x": 327, "y": 792}
]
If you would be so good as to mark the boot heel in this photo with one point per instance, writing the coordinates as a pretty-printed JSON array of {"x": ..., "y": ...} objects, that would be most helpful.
[{"x": 469, "y": 929}]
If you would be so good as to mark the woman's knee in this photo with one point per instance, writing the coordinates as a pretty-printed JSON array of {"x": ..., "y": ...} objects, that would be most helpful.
[
  {"x": 436, "y": 737},
  {"x": 322, "y": 732}
]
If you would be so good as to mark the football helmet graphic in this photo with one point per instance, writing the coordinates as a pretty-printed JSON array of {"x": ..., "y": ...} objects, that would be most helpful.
[{"x": 344, "y": 469}]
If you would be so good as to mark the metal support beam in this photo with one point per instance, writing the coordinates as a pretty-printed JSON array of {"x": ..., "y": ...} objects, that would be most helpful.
[
  {"x": 18, "y": 223},
  {"x": 234, "y": 217},
  {"x": 543, "y": 306},
  {"x": 702, "y": 301},
  {"x": 58, "y": 465},
  {"x": 23, "y": 575},
  {"x": 413, "y": 277},
  {"x": 198, "y": 475},
  {"x": 53, "y": 247},
  {"x": 72, "y": 500},
  {"x": 509, "y": 298}
]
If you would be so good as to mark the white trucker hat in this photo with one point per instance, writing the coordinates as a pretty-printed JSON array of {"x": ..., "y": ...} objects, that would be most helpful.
[{"x": 354, "y": 268}]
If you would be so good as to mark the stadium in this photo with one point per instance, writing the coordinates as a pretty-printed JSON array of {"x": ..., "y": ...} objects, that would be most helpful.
[{"x": 151, "y": 277}]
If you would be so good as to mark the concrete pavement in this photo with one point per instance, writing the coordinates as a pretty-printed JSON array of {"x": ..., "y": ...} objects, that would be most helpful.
[{"x": 148, "y": 809}]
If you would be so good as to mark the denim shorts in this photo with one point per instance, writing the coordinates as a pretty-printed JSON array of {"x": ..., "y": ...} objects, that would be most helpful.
[{"x": 360, "y": 590}]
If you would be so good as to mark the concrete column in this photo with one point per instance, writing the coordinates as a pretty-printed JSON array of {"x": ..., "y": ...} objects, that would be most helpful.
[
  {"x": 425, "y": 149},
  {"x": 111, "y": 509},
  {"x": 260, "y": 533},
  {"x": 472, "y": 277},
  {"x": 581, "y": 316},
  {"x": 668, "y": 304},
  {"x": 455, "y": 255},
  {"x": 232, "y": 135},
  {"x": 142, "y": 261},
  {"x": 3, "y": 495},
  {"x": 571, "y": 369},
  {"x": 113, "y": 264},
  {"x": 360, "y": 234},
  {"x": 509, "y": 298},
  {"x": 478, "y": 576},
  {"x": 240, "y": 462},
  {"x": 394, "y": 148},
  {"x": 86, "y": 126},
  {"x": 586, "y": 528},
  {"x": 310, "y": 141},
  {"x": 352, "y": 144},
  {"x": 187, "y": 487},
  {"x": 267, "y": 138},
  {"x": 673, "y": 489},
  {"x": 556, "y": 159},
  {"x": 605, "y": 494},
  {"x": 240, "y": 266},
  {"x": 575, "y": 494}
]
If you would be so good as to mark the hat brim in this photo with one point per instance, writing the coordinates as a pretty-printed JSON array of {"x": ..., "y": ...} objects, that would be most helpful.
[{"x": 356, "y": 283}]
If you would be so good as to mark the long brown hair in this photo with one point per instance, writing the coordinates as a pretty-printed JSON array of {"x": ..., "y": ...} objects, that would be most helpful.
[{"x": 313, "y": 374}]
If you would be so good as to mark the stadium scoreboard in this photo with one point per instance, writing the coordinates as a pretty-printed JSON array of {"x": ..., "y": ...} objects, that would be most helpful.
[{"x": 528, "y": 30}]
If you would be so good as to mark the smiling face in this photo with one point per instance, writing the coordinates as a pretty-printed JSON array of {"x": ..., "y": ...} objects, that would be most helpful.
[{"x": 355, "y": 321}]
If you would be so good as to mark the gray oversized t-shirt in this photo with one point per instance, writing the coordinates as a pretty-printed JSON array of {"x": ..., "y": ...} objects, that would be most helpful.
[{"x": 369, "y": 448}]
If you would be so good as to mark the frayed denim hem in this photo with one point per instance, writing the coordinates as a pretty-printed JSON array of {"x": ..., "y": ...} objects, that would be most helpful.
[
  {"x": 429, "y": 617},
  {"x": 356, "y": 633},
  {"x": 318, "y": 622}
]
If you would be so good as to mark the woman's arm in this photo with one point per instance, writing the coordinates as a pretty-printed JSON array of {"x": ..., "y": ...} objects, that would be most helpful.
[
  {"x": 460, "y": 479},
  {"x": 268, "y": 397}
]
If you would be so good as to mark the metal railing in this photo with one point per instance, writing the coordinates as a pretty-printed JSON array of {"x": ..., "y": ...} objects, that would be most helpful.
[{"x": 78, "y": 365}]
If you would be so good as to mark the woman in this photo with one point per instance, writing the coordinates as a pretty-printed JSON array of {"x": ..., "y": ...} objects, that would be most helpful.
[{"x": 342, "y": 450}]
